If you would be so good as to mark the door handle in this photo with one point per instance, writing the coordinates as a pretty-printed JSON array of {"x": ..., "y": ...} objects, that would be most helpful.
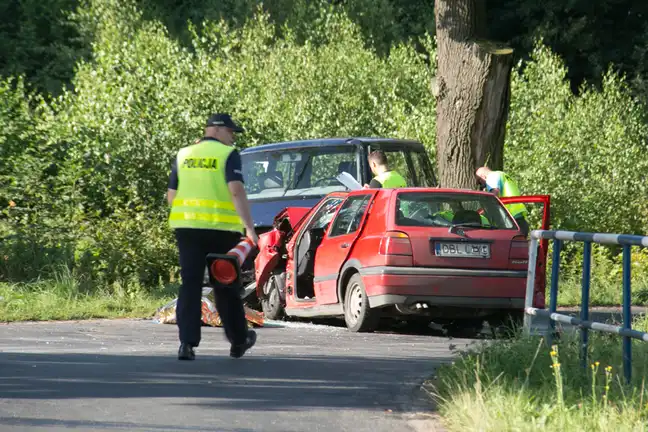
[{"x": 345, "y": 245}]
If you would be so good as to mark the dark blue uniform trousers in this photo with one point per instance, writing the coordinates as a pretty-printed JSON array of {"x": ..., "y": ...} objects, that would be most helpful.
[{"x": 194, "y": 245}]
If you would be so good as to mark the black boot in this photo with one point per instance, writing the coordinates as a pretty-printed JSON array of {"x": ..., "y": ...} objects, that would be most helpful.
[
  {"x": 237, "y": 351},
  {"x": 186, "y": 352}
]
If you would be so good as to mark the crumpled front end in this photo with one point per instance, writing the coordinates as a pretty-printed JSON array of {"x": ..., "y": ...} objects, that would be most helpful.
[{"x": 272, "y": 244}]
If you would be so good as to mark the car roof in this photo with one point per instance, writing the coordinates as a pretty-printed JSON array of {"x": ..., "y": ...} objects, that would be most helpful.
[
  {"x": 343, "y": 194},
  {"x": 333, "y": 142},
  {"x": 428, "y": 189}
]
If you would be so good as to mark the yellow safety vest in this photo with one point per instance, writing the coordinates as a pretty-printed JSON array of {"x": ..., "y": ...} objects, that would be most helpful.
[
  {"x": 510, "y": 189},
  {"x": 203, "y": 199},
  {"x": 449, "y": 214},
  {"x": 391, "y": 179}
]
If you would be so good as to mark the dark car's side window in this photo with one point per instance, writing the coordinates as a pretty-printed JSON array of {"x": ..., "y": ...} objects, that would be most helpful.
[{"x": 350, "y": 214}]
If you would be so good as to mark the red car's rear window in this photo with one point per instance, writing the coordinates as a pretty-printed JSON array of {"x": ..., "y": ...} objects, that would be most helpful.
[{"x": 438, "y": 209}]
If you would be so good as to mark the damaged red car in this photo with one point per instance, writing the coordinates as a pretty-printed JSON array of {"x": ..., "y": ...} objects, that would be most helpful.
[{"x": 449, "y": 256}]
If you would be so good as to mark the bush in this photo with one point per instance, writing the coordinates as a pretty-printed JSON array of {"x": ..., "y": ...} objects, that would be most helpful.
[
  {"x": 143, "y": 96},
  {"x": 88, "y": 169},
  {"x": 586, "y": 151}
]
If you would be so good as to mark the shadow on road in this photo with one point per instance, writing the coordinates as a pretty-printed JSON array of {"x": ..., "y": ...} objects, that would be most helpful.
[{"x": 250, "y": 383}]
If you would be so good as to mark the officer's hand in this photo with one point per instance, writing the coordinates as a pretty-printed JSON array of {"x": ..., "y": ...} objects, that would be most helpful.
[
  {"x": 254, "y": 238},
  {"x": 366, "y": 186}
]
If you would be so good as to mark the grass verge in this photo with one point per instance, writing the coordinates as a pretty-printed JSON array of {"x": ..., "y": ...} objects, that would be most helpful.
[
  {"x": 604, "y": 292},
  {"x": 62, "y": 299},
  {"x": 523, "y": 385}
]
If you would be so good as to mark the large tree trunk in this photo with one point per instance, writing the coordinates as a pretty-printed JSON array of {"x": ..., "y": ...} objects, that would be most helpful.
[{"x": 472, "y": 91}]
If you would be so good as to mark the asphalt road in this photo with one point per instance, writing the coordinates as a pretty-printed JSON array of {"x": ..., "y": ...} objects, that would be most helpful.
[{"x": 124, "y": 375}]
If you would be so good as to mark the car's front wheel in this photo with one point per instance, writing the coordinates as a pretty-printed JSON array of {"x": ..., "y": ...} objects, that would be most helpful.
[
  {"x": 359, "y": 317},
  {"x": 272, "y": 304}
]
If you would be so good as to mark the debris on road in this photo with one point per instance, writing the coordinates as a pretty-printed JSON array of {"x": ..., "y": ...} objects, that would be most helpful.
[{"x": 167, "y": 314}]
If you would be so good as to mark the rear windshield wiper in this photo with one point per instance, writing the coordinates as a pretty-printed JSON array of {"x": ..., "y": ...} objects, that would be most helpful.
[{"x": 470, "y": 225}]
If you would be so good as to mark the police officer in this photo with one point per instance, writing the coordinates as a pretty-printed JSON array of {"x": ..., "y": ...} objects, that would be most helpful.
[
  {"x": 383, "y": 176},
  {"x": 502, "y": 185},
  {"x": 209, "y": 211}
]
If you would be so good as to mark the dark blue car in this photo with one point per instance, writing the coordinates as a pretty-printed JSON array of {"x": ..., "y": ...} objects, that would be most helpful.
[{"x": 300, "y": 173}]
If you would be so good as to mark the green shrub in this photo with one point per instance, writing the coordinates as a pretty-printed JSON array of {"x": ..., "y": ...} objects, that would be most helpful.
[
  {"x": 586, "y": 151},
  {"x": 143, "y": 96},
  {"x": 88, "y": 170}
]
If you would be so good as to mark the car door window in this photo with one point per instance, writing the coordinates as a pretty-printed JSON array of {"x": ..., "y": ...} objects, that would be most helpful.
[
  {"x": 325, "y": 213},
  {"x": 350, "y": 215}
]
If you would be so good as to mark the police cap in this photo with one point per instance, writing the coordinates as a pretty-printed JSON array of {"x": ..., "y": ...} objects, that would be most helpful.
[{"x": 223, "y": 120}]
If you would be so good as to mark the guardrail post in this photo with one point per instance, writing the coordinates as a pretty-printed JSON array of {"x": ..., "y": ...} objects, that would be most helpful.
[
  {"x": 627, "y": 314},
  {"x": 585, "y": 295},
  {"x": 553, "y": 301},
  {"x": 530, "y": 282},
  {"x": 625, "y": 330}
]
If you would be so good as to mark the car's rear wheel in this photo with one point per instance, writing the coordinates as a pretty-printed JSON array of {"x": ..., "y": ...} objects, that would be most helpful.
[
  {"x": 272, "y": 305},
  {"x": 359, "y": 317}
]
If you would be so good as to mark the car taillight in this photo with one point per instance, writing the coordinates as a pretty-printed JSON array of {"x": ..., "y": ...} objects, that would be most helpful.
[
  {"x": 519, "y": 251},
  {"x": 397, "y": 249},
  {"x": 395, "y": 243}
]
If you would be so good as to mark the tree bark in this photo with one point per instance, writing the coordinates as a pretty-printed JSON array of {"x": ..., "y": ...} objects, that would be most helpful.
[{"x": 472, "y": 92}]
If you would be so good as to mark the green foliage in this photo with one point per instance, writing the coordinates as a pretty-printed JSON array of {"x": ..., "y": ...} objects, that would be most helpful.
[
  {"x": 521, "y": 384},
  {"x": 87, "y": 171},
  {"x": 589, "y": 35},
  {"x": 37, "y": 40},
  {"x": 43, "y": 41},
  {"x": 606, "y": 282},
  {"x": 143, "y": 96},
  {"x": 586, "y": 151}
]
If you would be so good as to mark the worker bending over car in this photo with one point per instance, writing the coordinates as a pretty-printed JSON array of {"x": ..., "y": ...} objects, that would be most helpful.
[{"x": 501, "y": 184}]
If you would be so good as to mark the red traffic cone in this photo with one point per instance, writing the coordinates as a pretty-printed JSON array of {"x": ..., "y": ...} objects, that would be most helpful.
[{"x": 224, "y": 270}]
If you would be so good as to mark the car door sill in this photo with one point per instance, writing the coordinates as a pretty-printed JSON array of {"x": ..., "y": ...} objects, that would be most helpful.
[
  {"x": 306, "y": 300},
  {"x": 317, "y": 311}
]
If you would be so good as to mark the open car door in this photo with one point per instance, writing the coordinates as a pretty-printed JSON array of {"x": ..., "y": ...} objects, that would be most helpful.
[{"x": 541, "y": 273}]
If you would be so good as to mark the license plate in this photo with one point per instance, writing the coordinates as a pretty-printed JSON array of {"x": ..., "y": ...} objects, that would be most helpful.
[{"x": 462, "y": 250}]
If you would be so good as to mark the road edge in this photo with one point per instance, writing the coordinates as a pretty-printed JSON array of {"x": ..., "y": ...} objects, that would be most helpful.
[{"x": 416, "y": 405}]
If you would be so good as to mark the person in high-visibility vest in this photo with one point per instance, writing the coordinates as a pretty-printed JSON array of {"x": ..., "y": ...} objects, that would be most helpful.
[
  {"x": 449, "y": 215},
  {"x": 502, "y": 185},
  {"x": 383, "y": 176},
  {"x": 209, "y": 212}
]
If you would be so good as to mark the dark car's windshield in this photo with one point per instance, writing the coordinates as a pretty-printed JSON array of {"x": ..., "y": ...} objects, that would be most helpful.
[
  {"x": 298, "y": 172},
  {"x": 432, "y": 209}
]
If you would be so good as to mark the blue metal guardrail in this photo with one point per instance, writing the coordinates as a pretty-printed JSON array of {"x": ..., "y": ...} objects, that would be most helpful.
[{"x": 558, "y": 237}]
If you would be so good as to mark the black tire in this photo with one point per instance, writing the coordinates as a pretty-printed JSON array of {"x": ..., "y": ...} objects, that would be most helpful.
[
  {"x": 359, "y": 317},
  {"x": 271, "y": 305}
]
